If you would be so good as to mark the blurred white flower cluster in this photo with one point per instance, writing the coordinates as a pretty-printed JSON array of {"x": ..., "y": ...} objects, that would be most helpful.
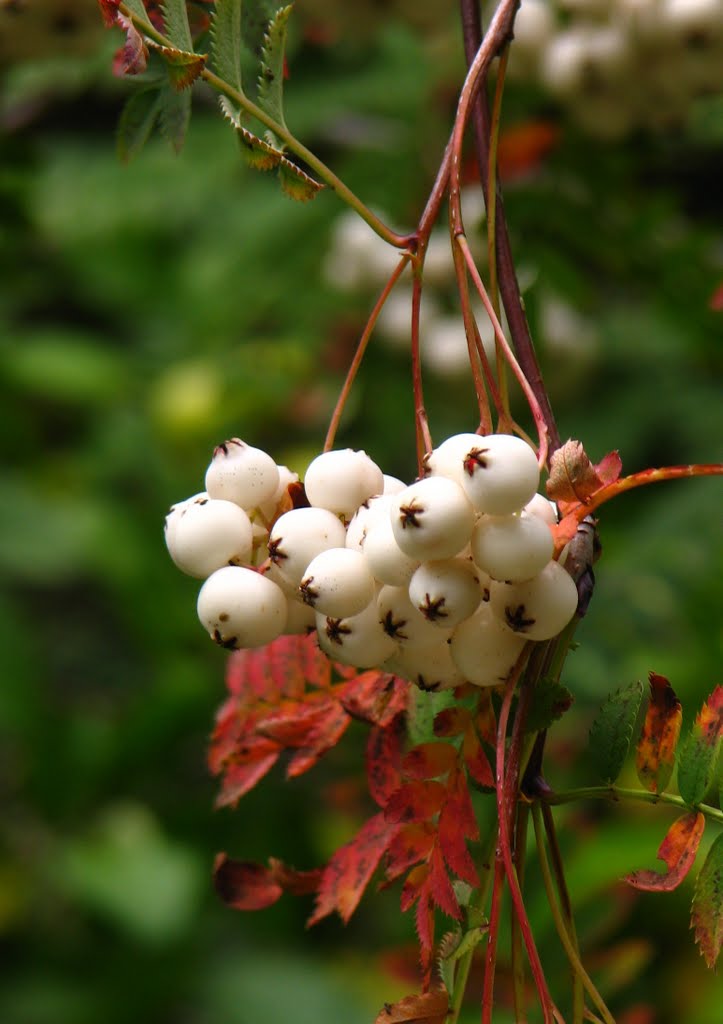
[{"x": 621, "y": 64}]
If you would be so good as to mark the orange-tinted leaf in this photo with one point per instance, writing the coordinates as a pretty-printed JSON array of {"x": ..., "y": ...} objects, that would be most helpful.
[
  {"x": 573, "y": 477},
  {"x": 655, "y": 754},
  {"x": 324, "y": 735},
  {"x": 243, "y": 885},
  {"x": 424, "y": 922},
  {"x": 678, "y": 851},
  {"x": 347, "y": 874},
  {"x": 522, "y": 147},
  {"x": 411, "y": 844},
  {"x": 451, "y": 721},
  {"x": 707, "y": 911},
  {"x": 440, "y": 887},
  {"x": 476, "y": 760},
  {"x": 415, "y": 801},
  {"x": 413, "y": 885},
  {"x": 298, "y": 883},
  {"x": 699, "y": 755},
  {"x": 428, "y": 1008},
  {"x": 383, "y": 758},
  {"x": 485, "y": 718},
  {"x": 374, "y": 697},
  {"x": 293, "y": 722},
  {"x": 183, "y": 68},
  {"x": 429, "y": 761}
]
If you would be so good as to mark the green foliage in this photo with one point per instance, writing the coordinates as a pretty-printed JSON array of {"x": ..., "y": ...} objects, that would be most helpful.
[
  {"x": 698, "y": 758},
  {"x": 271, "y": 73},
  {"x": 549, "y": 703},
  {"x": 175, "y": 19},
  {"x": 707, "y": 910},
  {"x": 226, "y": 34},
  {"x": 612, "y": 730},
  {"x": 136, "y": 122}
]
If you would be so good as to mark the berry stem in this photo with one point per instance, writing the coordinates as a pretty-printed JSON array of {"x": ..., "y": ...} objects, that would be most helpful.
[
  {"x": 488, "y": 984},
  {"x": 518, "y": 963},
  {"x": 492, "y": 219},
  {"x": 421, "y": 423},
  {"x": 475, "y": 351},
  {"x": 360, "y": 352},
  {"x": 641, "y": 479},
  {"x": 560, "y": 924}
]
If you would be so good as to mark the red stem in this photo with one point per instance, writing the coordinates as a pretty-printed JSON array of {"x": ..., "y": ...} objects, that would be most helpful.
[
  {"x": 488, "y": 984},
  {"x": 421, "y": 423}
]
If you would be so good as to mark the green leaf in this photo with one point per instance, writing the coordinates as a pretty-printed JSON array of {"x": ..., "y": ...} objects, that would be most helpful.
[
  {"x": 612, "y": 730},
  {"x": 136, "y": 122},
  {"x": 173, "y": 115},
  {"x": 698, "y": 757},
  {"x": 295, "y": 183},
  {"x": 138, "y": 8},
  {"x": 175, "y": 19},
  {"x": 271, "y": 74},
  {"x": 226, "y": 34},
  {"x": 423, "y": 707},
  {"x": 255, "y": 18},
  {"x": 550, "y": 701},
  {"x": 706, "y": 916}
]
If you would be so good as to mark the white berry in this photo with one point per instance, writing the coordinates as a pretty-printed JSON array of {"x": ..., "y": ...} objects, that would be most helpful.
[
  {"x": 483, "y": 649},
  {"x": 337, "y": 583},
  {"x": 500, "y": 474},
  {"x": 241, "y": 608},
  {"x": 385, "y": 558},
  {"x": 537, "y": 609},
  {"x": 430, "y": 667},
  {"x": 242, "y": 474},
  {"x": 445, "y": 592},
  {"x": 402, "y": 621},
  {"x": 342, "y": 480},
  {"x": 207, "y": 534},
  {"x": 432, "y": 519},
  {"x": 512, "y": 548},
  {"x": 300, "y": 535},
  {"x": 357, "y": 640}
]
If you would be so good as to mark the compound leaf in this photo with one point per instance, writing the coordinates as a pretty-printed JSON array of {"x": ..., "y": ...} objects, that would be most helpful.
[
  {"x": 175, "y": 19},
  {"x": 136, "y": 122},
  {"x": 296, "y": 184},
  {"x": 183, "y": 67},
  {"x": 226, "y": 35},
  {"x": 173, "y": 115},
  {"x": 677, "y": 850},
  {"x": 707, "y": 912},
  {"x": 271, "y": 74},
  {"x": 655, "y": 753},
  {"x": 612, "y": 730},
  {"x": 699, "y": 755}
]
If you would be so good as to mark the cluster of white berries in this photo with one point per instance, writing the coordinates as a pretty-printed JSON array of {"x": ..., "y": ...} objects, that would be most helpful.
[
  {"x": 621, "y": 64},
  {"x": 440, "y": 582}
]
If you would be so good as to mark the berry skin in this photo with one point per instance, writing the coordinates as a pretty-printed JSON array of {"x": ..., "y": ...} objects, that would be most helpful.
[
  {"x": 300, "y": 535},
  {"x": 385, "y": 558},
  {"x": 375, "y": 508},
  {"x": 429, "y": 666},
  {"x": 337, "y": 583},
  {"x": 403, "y": 622},
  {"x": 543, "y": 508},
  {"x": 447, "y": 459},
  {"x": 432, "y": 519},
  {"x": 242, "y": 474},
  {"x": 358, "y": 640},
  {"x": 445, "y": 592},
  {"x": 537, "y": 609},
  {"x": 483, "y": 648},
  {"x": 500, "y": 474},
  {"x": 512, "y": 548},
  {"x": 342, "y": 480},
  {"x": 206, "y": 534},
  {"x": 174, "y": 514},
  {"x": 240, "y": 608},
  {"x": 270, "y": 509}
]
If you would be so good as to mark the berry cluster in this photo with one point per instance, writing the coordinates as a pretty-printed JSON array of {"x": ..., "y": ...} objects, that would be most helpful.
[
  {"x": 440, "y": 582},
  {"x": 621, "y": 64}
]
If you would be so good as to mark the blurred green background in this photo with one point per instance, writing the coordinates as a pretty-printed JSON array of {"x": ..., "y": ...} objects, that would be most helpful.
[{"x": 150, "y": 310}]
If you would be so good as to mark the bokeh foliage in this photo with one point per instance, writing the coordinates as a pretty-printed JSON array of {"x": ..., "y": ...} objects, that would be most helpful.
[{"x": 148, "y": 311}]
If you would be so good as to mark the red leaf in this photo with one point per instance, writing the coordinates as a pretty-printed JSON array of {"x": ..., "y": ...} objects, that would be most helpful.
[
  {"x": 415, "y": 801},
  {"x": 286, "y": 666},
  {"x": 347, "y": 874},
  {"x": 109, "y": 10},
  {"x": 485, "y": 719},
  {"x": 293, "y": 722},
  {"x": 678, "y": 851},
  {"x": 710, "y": 718},
  {"x": 440, "y": 887},
  {"x": 132, "y": 57},
  {"x": 298, "y": 883},
  {"x": 454, "y": 847},
  {"x": 451, "y": 721},
  {"x": 243, "y": 885},
  {"x": 655, "y": 754},
  {"x": 424, "y": 921},
  {"x": 429, "y": 1008},
  {"x": 574, "y": 479},
  {"x": 315, "y": 666},
  {"x": 429, "y": 761},
  {"x": 383, "y": 758},
  {"x": 413, "y": 885},
  {"x": 476, "y": 760},
  {"x": 325, "y": 734},
  {"x": 246, "y": 767},
  {"x": 522, "y": 147},
  {"x": 374, "y": 697},
  {"x": 411, "y": 844}
]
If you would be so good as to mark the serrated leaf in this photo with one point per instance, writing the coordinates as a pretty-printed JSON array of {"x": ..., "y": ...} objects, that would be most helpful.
[
  {"x": 226, "y": 35},
  {"x": 573, "y": 478},
  {"x": 677, "y": 850},
  {"x": 257, "y": 153},
  {"x": 423, "y": 708},
  {"x": 136, "y": 7},
  {"x": 706, "y": 916},
  {"x": 132, "y": 57},
  {"x": 175, "y": 19},
  {"x": 412, "y": 844},
  {"x": 255, "y": 18},
  {"x": 549, "y": 703},
  {"x": 415, "y": 801},
  {"x": 428, "y": 1008},
  {"x": 136, "y": 122},
  {"x": 271, "y": 73},
  {"x": 244, "y": 885},
  {"x": 429, "y": 761},
  {"x": 383, "y": 760},
  {"x": 469, "y": 941},
  {"x": 699, "y": 755},
  {"x": 183, "y": 68},
  {"x": 347, "y": 874},
  {"x": 612, "y": 730},
  {"x": 655, "y": 752},
  {"x": 296, "y": 184},
  {"x": 174, "y": 113}
]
